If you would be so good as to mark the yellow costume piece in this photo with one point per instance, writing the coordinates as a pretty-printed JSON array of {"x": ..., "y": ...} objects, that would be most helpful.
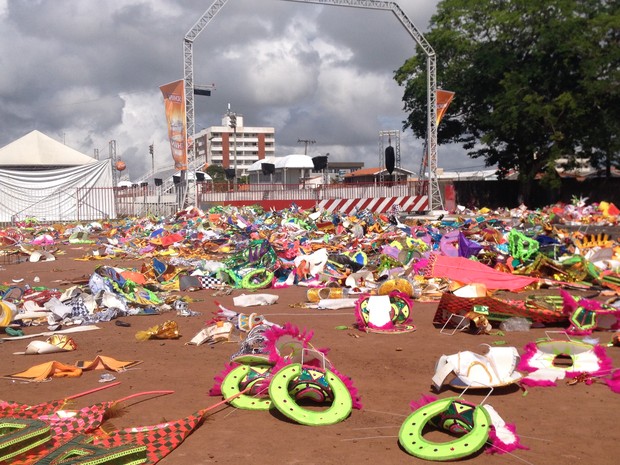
[{"x": 167, "y": 330}]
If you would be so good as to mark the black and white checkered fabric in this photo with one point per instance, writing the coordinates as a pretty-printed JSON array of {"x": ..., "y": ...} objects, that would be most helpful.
[{"x": 210, "y": 282}]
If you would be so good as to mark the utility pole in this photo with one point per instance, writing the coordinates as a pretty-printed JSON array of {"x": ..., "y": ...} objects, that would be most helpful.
[
  {"x": 112, "y": 151},
  {"x": 306, "y": 142},
  {"x": 232, "y": 122},
  {"x": 152, "y": 152}
]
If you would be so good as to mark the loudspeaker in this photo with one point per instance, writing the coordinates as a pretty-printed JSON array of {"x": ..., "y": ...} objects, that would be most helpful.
[
  {"x": 268, "y": 168},
  {"x": 200, "y": 177},
  {"x": 320, "y": 163},
  {"x": 390, "y": 159},
  {"x": 158, "y": 181},
  {"x": 176, "y": 179},
  {"x": 230, "y": 173}
]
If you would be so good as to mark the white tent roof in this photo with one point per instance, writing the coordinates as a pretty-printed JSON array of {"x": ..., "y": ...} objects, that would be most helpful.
[
  {"x": 37, "y": 149},
  {"x": 294, "y": 161},
  {"x": 288, "y": 161},
  {"x": 256, "y": 166}
]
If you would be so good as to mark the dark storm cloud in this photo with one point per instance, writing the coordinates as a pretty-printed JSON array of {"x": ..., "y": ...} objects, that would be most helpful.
[{"x": 89, "y": 72}]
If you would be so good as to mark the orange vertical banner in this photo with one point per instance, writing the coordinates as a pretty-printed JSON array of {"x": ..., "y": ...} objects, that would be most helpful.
[
  {"x": 444, "y": 98},
  {"x": 174, "y": 101}
]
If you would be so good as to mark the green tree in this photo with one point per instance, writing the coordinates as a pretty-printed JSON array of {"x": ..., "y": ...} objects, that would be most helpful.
[
  {"x": 531, "y": 79},
  {"x": 216, "y": 172}
]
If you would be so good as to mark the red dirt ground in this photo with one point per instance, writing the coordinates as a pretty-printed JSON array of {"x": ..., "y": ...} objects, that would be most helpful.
[{"x": 574, "y": 424}]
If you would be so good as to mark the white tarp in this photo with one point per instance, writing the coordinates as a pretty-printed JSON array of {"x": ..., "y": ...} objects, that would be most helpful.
[{"x": 76, "y": 193}]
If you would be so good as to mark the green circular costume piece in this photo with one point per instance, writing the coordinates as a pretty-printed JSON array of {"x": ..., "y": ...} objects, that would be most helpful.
[
  {"x": 229, "y": 277},
  {"x": 400, "y": 308},
  {"x": 257, "y": 279},
  {"x": 239, "y": 379},
  {"x": 251, "y": 359},
  {"x": 410, "y": 435},
  {"x": 284, "y": 400}
]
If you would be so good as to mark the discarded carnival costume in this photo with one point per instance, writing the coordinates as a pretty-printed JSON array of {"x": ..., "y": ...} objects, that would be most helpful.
[
  {"x": 385, "y": 313},
  {"x": 496, "y": 368},
  {"x": 542, "y": 360},
  {"x": 477, "y": 425}
]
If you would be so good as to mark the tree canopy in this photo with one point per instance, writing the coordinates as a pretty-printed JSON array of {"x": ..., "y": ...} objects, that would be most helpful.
[
  {"x": 534, "y": 80},
  {"x": 216, "y": 172}
]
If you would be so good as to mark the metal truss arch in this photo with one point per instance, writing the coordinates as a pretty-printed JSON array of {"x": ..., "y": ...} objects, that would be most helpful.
[{"x": 435, "y": 200}]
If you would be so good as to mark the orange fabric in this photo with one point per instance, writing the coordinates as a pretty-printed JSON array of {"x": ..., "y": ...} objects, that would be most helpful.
[
  {"x": 47, "y": 370},
  {"x": 167, "y": 240},
  {"x": 134, "y": 276},
  {"x": 103, "y": 362}
]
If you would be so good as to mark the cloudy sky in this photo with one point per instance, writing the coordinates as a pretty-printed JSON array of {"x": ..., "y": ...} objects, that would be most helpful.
[{"x": 87, "y": 72}]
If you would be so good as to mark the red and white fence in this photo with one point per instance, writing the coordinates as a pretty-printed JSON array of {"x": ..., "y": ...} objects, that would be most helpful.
[{"x": 137, "y": 201}]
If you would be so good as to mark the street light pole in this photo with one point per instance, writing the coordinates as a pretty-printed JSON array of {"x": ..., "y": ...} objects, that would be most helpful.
[{"x": 232, "y": 122}]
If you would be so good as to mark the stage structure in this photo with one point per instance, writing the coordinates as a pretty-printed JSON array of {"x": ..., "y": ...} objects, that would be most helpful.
[{"x": 434, "y": 194}]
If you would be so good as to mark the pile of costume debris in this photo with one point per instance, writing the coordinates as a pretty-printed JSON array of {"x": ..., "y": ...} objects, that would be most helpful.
[
  {"x": 473, "y": 264},
  {"x": 463, "y": 262}
]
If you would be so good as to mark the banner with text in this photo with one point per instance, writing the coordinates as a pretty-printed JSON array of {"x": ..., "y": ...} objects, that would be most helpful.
[
  {"x": 174, "y": 101},
  {"x": 444, "y": 98}
]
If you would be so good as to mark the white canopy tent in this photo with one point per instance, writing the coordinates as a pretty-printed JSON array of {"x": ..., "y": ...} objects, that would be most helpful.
[
  {"x": 36, "y": 151},
  {"x": 290, "y": 169},
  {"x": 44, "y": 179}
]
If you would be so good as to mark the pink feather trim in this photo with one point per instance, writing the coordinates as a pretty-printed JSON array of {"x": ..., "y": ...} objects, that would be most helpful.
[
  {"x": 421, "y": 402},
  {"x": 274, "y": 333},
  {"x": 530, "y": 350},
  {"x": 537, "y": 382},
  {"x": 569, "y": 303},
  {"x": 614, "y": 382},
  {"x": 359, "y": 319},
  {"x": 280, "y": 284},
  {"x": 606, "y": 363},
  {"x": 348, "y": 382},
  {"x": 500, "y": 447},
  {"x": 216, "y": 389}
]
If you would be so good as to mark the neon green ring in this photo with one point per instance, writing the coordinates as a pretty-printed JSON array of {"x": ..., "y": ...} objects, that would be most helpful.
[
  {"x": 232, "y": 381},
  {"x": 410, "y": 435},
  {"x": 236, "y": 281},
  {"x": 247, "y": 283},
  {"x": 342, "y": 403}
]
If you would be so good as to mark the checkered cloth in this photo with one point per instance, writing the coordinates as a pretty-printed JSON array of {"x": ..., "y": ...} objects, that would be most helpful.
[{"x": 210, "y": 282}]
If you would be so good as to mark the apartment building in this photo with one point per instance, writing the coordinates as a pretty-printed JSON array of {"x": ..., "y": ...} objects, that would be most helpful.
[{"x": 234, "y": 144}]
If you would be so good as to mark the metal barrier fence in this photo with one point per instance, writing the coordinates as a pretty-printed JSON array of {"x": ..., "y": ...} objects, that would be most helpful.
[
  {"x": 262, "y": 192},
  {"x": 95, "y": 204},
  {"x": 140, "y": 201}
]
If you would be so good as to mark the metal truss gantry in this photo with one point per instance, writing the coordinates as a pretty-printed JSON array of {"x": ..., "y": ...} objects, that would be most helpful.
[{"x": 434, "y": 194}]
